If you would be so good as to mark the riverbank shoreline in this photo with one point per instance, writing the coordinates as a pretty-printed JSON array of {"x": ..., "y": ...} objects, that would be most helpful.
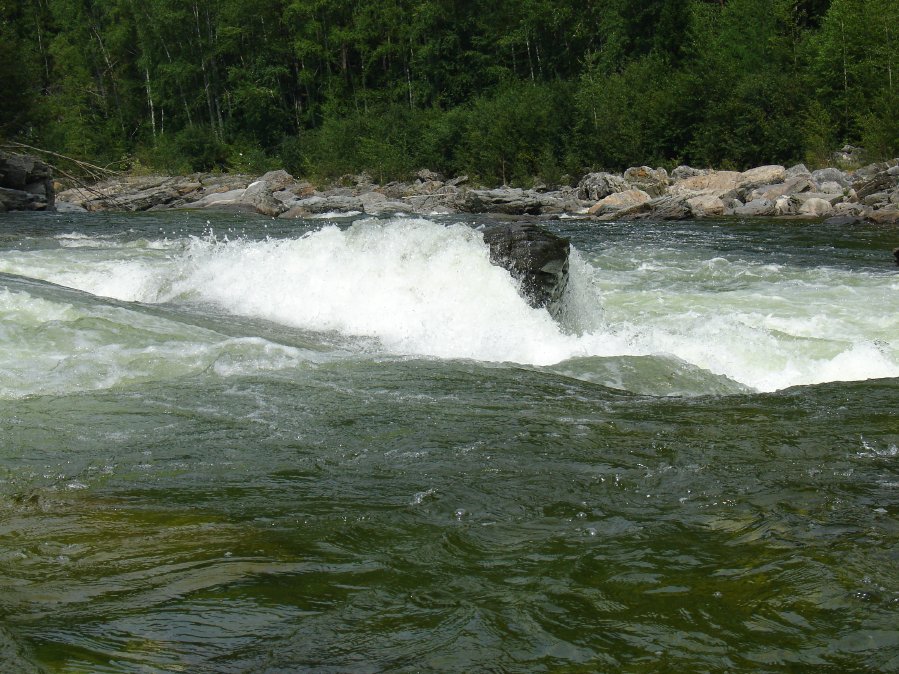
[{"x": 869, "y": 193}]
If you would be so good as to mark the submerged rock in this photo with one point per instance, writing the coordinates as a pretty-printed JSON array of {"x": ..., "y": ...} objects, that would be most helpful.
[{"x": 536, "y": 257}]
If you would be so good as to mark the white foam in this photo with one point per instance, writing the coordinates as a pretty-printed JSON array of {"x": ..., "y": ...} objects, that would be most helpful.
[
  {"x": 424, "y": 289},
  {"x": 421, "y": 288},
  {"x": 56, "y": 347}
]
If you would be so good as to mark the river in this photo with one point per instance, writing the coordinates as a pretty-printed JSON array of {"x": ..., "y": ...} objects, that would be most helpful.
[{"x": 236, "y": 444}]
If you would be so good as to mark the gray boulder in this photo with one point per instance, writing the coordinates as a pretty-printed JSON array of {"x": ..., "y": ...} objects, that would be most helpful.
[
  {"x": 259, "y": 196},
  {"x": 536, "y": 257},
  {"x": 797, "y": 171},
  {"x": 706, "y": 206},
  {"x": 596, "y": 186},
  {"x": 506, "y": 200},
  {"x": 375, "y": 203},
  {"x": 756, "y": 207},
  {"x": 668, "y": 207},
  {"x": 867, "y": 172},
  {"x": 682, "y": 172},
  {"x": 652, "y": 181},
  {"x": 321, "y": 204},
  {"x": 18, "y": 200},
  {"x": 619, "y": 201},
  {"x": 816, "y": 208},
  {"x": 884, "y": 181},
  {"x": 795, "y": 185},
  {"x": 827, "y": 175},
  {"x": 762, "y": 175},
  {"x": 787, "y": 205},
  {"x": 888, "y": 215}
]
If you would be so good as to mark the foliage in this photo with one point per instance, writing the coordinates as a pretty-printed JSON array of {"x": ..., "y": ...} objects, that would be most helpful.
[{"x": 504, "y": 91}]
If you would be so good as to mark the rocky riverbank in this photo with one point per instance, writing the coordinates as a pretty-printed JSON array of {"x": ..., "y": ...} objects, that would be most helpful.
[{"x": 869, "y": 193}]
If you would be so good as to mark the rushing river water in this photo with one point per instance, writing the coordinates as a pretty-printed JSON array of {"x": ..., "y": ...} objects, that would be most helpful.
[{"x": 235, "y": 444}]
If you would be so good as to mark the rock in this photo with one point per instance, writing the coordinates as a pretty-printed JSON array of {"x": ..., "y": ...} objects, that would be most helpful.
[
  {"x": 321, "y": 204},
  {"x": 818, "y": 208},
  {"x": 884, "y": 216},
  {"x": 706, "y": 206},
  {"x": 375, "y": 203},
  {"x": 668, "y": 207},
  {"x": 756, "y": 207},
  {"x": 30, "y": 177},
  {"x": 615, "y": 202},
  {"x": 797, "y": 171},
  {"x": 507, "y": 200},
  {"x": 258, "y": 195},
  {"x": 143, "y": 193},
  {"x": 19, "y": 200},
  {"x": 848, "y": 209},
  {"x": 880, "y": 182},
  {"x": 536, "y": 257},
  {"x": 790, "y": 186},
  {"x": 865, "y": 173},
  {"x": 896, "y": 255},
  {"x": 218, "y": 199},
  {"x": 762, "y": 175},
  {"x": 826, "y": 175},
  {"x": 448, "y": 200},
  {"x": 831, "y": 187},
  {"x": 832, "y": 199},
  {"x": 787, "y": 205},
  {"x": 458, "y": 180},
  {"x": 877, "y": 199},
  {"x": 279, "y": 180},
  {"x": 596, "y": 186},
  {"x": 682, "y": 172},
  {"x": 718, "y": 183},
  {"x": 18, "y": 170},
  {"x": 653, "y": 182}
]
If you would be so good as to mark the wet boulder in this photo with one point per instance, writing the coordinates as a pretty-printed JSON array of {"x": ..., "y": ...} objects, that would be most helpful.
[{"x": 536, "y": 257}]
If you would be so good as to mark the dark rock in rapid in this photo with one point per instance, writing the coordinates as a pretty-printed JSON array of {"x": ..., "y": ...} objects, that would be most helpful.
[
  {"x": 536, "y": 257},
  {"x": 896, "y": 255},
  {"x": 26, "y": 183}
]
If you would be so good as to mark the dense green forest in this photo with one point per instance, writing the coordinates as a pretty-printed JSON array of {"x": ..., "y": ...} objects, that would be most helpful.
[{"x": 505, "y": 91}]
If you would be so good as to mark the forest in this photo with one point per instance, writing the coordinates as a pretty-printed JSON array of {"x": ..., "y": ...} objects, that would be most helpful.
[{"x": 510, "y": 92}]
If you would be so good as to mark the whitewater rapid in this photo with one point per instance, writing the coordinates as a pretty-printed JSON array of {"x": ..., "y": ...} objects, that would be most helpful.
[{"x": 424, "y": 289}]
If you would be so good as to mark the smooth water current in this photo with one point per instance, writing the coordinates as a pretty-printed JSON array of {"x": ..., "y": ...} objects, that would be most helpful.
[{"x": 235, "y": 444}]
